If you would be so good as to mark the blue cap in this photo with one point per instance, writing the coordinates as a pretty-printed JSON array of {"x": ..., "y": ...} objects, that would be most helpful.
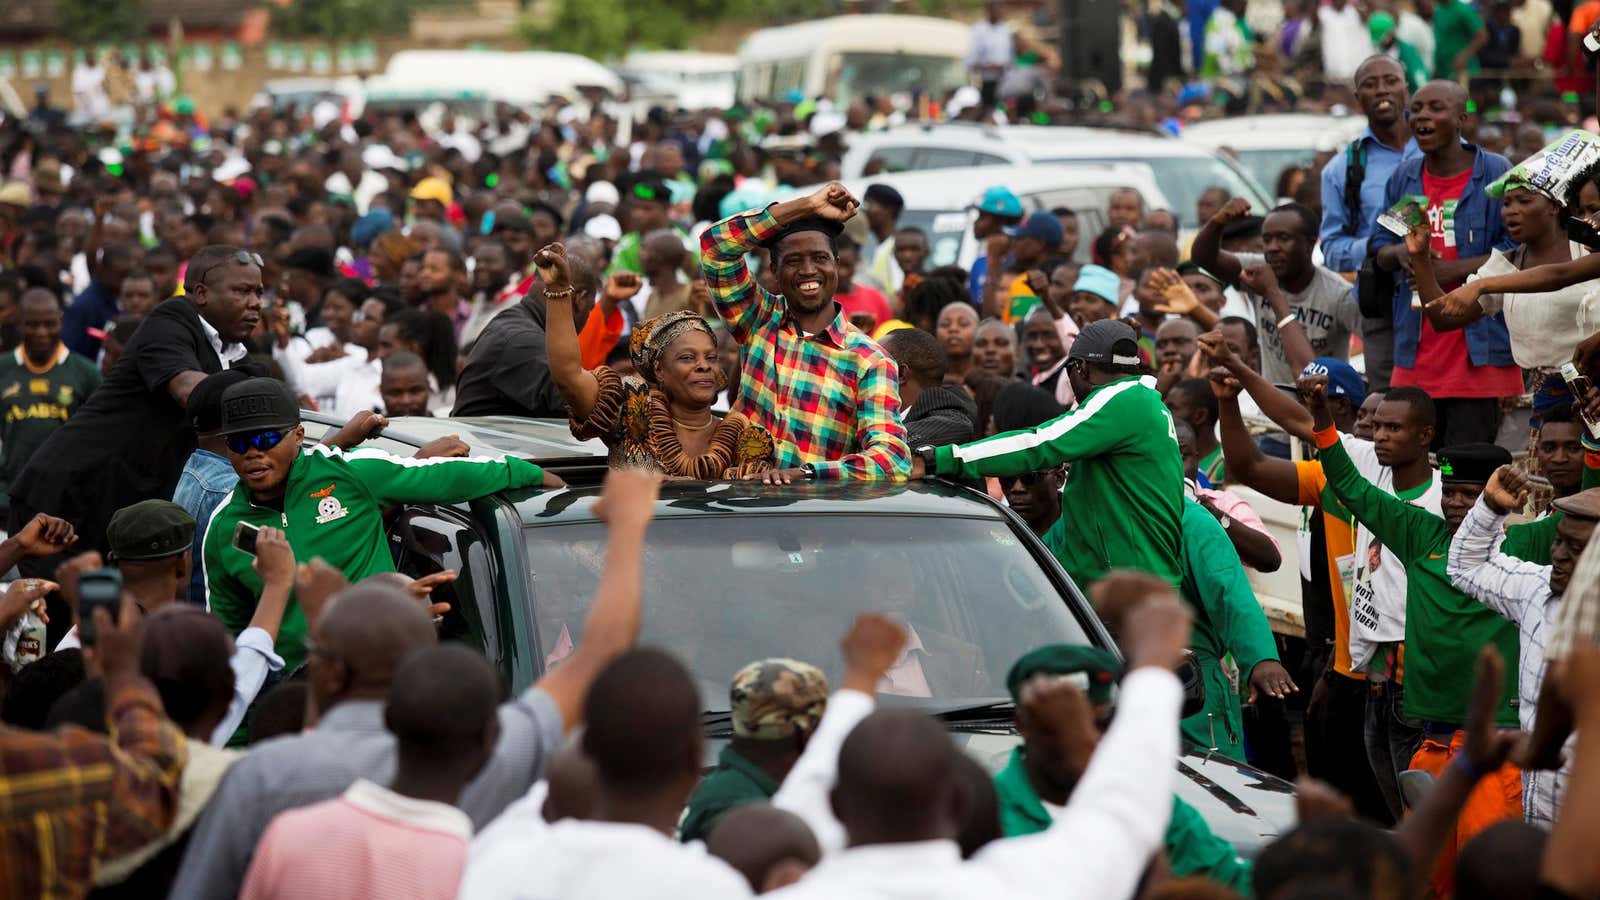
[
  {"x": 1042, "y": 225},
  {"x": 1343, "y": 379},
  {"x": 1099, "y": 281},
  {"x": 998, "y": 201}
]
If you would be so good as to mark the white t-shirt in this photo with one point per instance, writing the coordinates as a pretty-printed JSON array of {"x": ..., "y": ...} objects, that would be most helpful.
[
  {"x": 1377, "y": 592},
  {"x": 1345, "y": 42},
  {"x": 1545, "y": 328},
  {"x": 991, "y": 44}
]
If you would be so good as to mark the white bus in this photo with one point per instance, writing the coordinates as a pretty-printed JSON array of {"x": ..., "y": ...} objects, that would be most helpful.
[{"x": 846, "y": 58}]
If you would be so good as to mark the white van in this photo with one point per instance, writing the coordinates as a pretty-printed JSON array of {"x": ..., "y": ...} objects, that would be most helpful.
[
  {"x": 846, "y": 58},
  {"x": 472, "y": 81}
]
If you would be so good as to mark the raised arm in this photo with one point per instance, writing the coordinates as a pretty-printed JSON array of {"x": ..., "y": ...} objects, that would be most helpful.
[
  {"x": 253, "y": 654},
  {"x": 1535, "y": 280},
  {"x": 1275, "y": 404},
  {"x": 738, "y": 300},
  {"x": 1297, "y": 350},
  {"x": 870, "y": 650},
  {"x": 627, "y": 504},
  {"x": 1276, "y": 478},
  {"x": 578, "y": 385},
  {"x": 1444, "y": 315},
  {"x": 1207, "y": 251},
  {"x": 1180, "y": 300},
  {"x": 1477, "y": 568}
]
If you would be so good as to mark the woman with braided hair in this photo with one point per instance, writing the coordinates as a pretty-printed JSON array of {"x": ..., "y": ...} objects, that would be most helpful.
[{"x": 660, "y": 417}]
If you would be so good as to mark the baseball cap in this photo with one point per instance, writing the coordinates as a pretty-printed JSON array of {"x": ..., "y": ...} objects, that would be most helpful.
[
  {"x": 150, "y": 529},
  {"x": 1343, "y": 379},
  {"x": 205, "y": 401},
  {"x": 651, "y": 188},
  {"x": 1471, "y": 463},
  {"x": 603, "y": 227},
  {"x": 1190, "y": 267},
  {"x": 432, "y": 188},
  {"x": 1108, "y": 342},
  {"x": 602, "y": 192},
  {"x": 999, "y": 201},
  {"x": 772, "y": 699},
  {"x": 259, "y": 404},
  {"x": 1099, "y": 281},
  {"x": 1042, "y": 225},
  {"x": 1099, "y": 669}
]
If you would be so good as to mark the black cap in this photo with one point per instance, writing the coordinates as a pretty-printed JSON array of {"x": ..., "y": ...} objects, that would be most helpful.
[
  {"x": 205, "y": 401},
  {"x": 150, "y": 529},
  {"x": 259, "y": 404},
  {"x": 651, "y": 187},
  {"x": 1471, "y": 463},
  {"x": 315, "y": 260},
  {"x": 884, "y": 195},
  {"x": 1108, "y": 342},
  {"x": 810, "y": 223}
]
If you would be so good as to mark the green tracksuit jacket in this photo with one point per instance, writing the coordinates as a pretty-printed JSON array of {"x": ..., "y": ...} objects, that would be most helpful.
[
  {"x": 333, "y": 508},
  {"x": 1122, "y": 503},
  {"x": 1192, "y": 850},
  {"x": 1227, "y": 620}
]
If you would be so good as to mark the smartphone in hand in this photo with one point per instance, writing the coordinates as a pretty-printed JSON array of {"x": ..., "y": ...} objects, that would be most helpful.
[
  {"x": 99, "y": 589},
  {"x": 244, "y": 537}
]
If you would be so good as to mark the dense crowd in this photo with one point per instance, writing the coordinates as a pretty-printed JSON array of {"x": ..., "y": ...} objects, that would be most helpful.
[{"x": 216, "y": 683}]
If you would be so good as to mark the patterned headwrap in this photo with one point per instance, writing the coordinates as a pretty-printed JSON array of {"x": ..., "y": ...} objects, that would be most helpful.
[{"x": 652, "y": 337}]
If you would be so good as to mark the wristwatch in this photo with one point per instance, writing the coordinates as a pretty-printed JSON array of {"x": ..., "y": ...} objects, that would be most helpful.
[
  {"x": 930, "y": 456},
  {"x": 809, "y": 471}
]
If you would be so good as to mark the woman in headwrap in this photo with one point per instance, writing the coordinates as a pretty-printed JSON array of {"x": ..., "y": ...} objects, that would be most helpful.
[{"x": 661, "y": 416}]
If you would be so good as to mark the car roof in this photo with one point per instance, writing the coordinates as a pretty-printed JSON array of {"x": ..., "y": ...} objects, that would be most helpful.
[
  {"x": 544, "y": 441},
  {"x": 875, "y": 33},
  {"x": 956, "y": 188},
  {"x": 550, "y": 443},
  {"x": 1288, "y": 131},
  {"x": 687, "y": 499}
]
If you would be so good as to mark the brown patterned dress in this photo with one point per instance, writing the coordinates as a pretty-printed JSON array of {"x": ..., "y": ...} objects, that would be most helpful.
[{"x": 633, "y": 421}]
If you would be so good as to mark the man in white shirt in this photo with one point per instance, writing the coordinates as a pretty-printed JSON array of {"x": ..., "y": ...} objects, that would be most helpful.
[
  {"x": 891, "y": 783},
  {"x": 989, "y": 54}
]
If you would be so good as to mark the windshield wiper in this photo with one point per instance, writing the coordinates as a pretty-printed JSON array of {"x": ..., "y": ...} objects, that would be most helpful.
[{"x": 988, "y": 710}]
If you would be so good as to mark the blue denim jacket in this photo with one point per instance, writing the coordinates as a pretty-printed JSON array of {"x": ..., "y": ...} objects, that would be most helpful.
[
  {"x": 206, "y": 481},
  {"x": 1478, "y": 231}
]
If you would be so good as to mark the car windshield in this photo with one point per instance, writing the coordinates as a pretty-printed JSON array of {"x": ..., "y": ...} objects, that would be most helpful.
[
  {"x": 1184, "y": 178},
  {"x": 860, "y": 75},
  {"x": 945, "y": 230},
  {"x": 723, "y": 591},
  {"x": 1266, "y": 165}
]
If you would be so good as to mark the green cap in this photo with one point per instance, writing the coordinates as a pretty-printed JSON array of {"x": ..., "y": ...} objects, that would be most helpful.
[
  {"x": 150, "y": 529},
  {"x": 1099, "y": 667},
  {"x": 774, "y": 698}
]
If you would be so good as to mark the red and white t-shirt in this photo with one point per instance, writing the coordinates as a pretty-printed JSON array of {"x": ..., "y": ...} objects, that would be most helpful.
[{"x": 1443, "y": 366}]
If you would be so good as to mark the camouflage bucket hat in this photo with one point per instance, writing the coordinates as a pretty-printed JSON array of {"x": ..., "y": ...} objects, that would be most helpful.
[{"x": 774, "y": 698}]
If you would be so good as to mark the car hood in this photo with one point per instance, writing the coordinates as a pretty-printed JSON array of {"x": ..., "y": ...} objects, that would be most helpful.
[{"x": 1244, "y": 806}]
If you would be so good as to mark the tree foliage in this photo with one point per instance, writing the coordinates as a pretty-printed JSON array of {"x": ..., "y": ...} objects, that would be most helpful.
[
  {"x": 337, "y": 20},
  {"x": 100, "y": 21},
  {"x": 608, "y": 28}
]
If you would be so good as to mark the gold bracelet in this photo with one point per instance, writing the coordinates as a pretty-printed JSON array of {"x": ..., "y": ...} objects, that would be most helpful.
[{"x": 560, "y": 293}]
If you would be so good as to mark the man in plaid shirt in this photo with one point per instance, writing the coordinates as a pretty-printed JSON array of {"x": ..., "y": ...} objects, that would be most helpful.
[
  {"x": 1530, "y": 595},
  {"x": 827, "y": 393}
]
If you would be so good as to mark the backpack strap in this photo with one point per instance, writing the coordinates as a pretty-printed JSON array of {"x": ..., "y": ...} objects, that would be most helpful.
[{"x": 1355, "y": 172}]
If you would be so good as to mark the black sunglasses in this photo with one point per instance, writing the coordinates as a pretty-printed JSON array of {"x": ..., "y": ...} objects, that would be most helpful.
[
  {"x": 260, "y": 440},
  {"x": 1028, "y": 479},
  {"x": 243, "y": 257}
]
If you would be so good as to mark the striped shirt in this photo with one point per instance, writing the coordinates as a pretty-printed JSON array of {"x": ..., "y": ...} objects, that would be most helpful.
[
  {"x": 367, "y": 842},
  {"x": 1520, "y": 591},
  {"x": 832, "y": 398}
]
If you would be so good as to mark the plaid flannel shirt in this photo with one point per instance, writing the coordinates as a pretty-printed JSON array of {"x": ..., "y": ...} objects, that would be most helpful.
[
  {"x": 71, "y": 798},
  {"x": 1520, "y": 591},
  {"x": 831, "y": 399}
]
